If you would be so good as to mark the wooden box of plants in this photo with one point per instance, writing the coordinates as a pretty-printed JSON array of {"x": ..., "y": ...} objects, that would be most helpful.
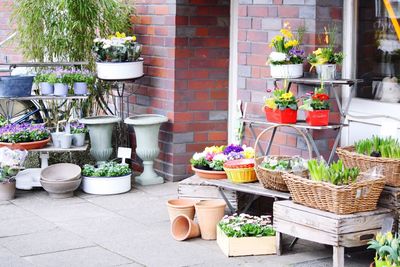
[
  {"x": 244, "y": 235},
  {"x": 374, "y": 152},
  {"x": 335, "y": 188}
]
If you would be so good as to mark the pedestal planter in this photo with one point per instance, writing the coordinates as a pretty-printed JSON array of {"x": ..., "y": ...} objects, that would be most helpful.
[
  {"x": 7, "y": 189},
  {"x": 146, "y": 130},
  {"x": 46, "y": 88},
  {"x": 286, "y": 116},
  {"x": 209, "y": 213},
  {"x": 183, "y": 228},
  {"x": 60, "y": 89},
  {"x": 26, "y": 146},
  {"x": 287, "y": 71},
  {"x": 100, "y": 132},
  {"x": 119, "y": 70},
  {"x": 106, "y": 185},
  {"x": 326, "y": 71},
  {"x": 181, "y": 206},
  {"x": 78, "y": 139},
  {"x": 80, "y": 88},
  {"x": 317, "y": 117}
]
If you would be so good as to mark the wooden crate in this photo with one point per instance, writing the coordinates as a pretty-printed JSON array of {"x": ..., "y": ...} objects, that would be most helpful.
[
  {"x": 245, "y": 246},
  {"x": 390, "y": 198},
  {"x": 198, "y": 189}
]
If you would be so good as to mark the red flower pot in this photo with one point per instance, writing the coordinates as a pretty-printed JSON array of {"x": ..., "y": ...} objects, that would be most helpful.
[
  {"x": 317, "y": 117},
  {"x": 286, "y": 116}
]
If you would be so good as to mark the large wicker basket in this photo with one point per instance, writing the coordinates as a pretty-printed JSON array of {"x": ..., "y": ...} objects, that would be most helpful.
[
  {"x": 357, "y": 197},
  {"x": 391, "y": 167},
  {"x": 273, "y": 179}
]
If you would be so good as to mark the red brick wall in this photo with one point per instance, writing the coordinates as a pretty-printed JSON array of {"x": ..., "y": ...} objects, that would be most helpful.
[
  {"x": 9, "y": 49},
  {"x": 259, "y": 22}
]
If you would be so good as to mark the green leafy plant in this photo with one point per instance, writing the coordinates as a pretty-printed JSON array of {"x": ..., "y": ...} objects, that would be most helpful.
[
  {"x": 244, "y": 225},
  {"x": 45, "y": 77},
  {"x": 281, "y": 100},
  {"x": 26, "y": 132},
  {"x": 318, "y": 100},
  {"x": 387, "y": 249},
  {"x": 335, "y": 173},
  {"x": 386, "y": 147},
  {"x": 109, "y": 169},
  {"x": 274, "y": 163},
  {"x": 3, "y": 121}
]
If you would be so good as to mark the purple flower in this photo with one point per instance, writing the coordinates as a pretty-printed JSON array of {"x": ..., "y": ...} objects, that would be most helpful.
[
  {"x": 235, "y": 155},
  {"x": 297, "y": 52},
  {"x": 232, "y": 148}
]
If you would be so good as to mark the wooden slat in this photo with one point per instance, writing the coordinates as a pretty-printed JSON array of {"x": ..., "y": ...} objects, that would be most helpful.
[
  {"x": 357, "y": 238},
  {"x": 390, "y": 197}
]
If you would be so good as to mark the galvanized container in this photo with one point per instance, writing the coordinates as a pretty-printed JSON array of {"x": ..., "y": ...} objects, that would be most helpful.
[{"x": 16, "y": 86}]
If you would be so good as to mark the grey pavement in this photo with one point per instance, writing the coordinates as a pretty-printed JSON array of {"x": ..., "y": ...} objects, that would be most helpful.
[{"x": 130, "y": 229}]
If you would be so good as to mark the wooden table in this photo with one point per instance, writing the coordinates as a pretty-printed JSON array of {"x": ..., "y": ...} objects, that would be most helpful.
[{"x": 323, "y": 227}]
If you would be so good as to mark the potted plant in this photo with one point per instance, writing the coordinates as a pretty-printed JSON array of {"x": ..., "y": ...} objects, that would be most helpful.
[
  {"x": 11, "y": 162},
  {"x": 316, "y": 107},
  {"x": 387, "y": 249},
  {"x": 24, "y": 136},
  {"x": 242, "y": 235},
  {"x": 80, "y": 81},
  {"x": 78, "y": 131},
  {"x": 287, "y": 59},
  {"x": 325, "y": 59},
  {"x": 61, "y": 83},
  {"x": 118, "y": 57},
  {"x": 209, "y": 163},
  {"x": 108, "y": 178},
  {"x": 46, "y": 81},
  {"x": 281, "y": 107}
]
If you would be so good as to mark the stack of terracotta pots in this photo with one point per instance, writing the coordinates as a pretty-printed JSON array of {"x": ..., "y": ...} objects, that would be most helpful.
[{"x": 182, "y": 212}]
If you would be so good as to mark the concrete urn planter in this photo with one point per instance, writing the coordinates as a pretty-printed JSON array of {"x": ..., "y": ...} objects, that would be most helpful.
[
  {"x": 146, "y": 130},
  {"x": 100, "y": 132}
]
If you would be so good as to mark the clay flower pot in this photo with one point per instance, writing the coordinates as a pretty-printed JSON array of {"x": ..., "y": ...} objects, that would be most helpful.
[
  {"x": 209, "y": 213},
  {"x": 183, "y": 228},
  {"x": 27, "y": 145},
  {"x": 180, "y": 207},
  {"x": 7, "y": 189}
]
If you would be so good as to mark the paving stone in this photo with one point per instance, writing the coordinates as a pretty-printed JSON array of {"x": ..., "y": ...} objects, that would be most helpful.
[
  {"x": 88, "y": 257},
  {"x": 162, "y": 190},
  {"x": 10, "y": 211},
  {"x": 27, "y": 225},
  {"x": 43, "y": 242},
  {"x": 11, "y": 260}
]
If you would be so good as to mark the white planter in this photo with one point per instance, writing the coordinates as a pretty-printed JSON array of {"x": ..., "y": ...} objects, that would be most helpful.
[
  {"x": 287, "y": 71},
  {"x": 326, "y": 71},
  {"x": 106, "y": 185},
  {"x": 119, "y": 70}
]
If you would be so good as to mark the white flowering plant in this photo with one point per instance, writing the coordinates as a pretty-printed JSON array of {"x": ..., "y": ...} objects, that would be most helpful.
[
  {"x": 117, "y": 48},
  {"x": 214, "y": 157},
  {"x": 11, "y": 161},
  {"x": 244, "y": 225},
  {"x": 295, "y": 163}
]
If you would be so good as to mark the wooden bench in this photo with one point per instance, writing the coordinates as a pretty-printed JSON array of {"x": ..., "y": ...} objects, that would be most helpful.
[{"x": 339, "y": 231}]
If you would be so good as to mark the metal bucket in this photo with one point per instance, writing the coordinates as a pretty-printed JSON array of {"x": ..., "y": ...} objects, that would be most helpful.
[{"x": 16, "y": 86}]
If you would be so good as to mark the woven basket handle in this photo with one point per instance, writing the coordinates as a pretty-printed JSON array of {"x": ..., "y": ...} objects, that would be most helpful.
[{"x": 282, "y": 125}]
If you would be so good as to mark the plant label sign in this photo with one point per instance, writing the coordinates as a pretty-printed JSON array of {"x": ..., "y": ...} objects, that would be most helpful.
[{"x": 124, "y": 153}]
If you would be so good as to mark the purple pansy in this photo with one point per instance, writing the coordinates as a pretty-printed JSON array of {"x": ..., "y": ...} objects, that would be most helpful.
[{"x": 233, "y": 148}]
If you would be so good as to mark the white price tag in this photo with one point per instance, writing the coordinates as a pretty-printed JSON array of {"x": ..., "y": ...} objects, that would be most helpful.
[{"x": 124, "y": 153}]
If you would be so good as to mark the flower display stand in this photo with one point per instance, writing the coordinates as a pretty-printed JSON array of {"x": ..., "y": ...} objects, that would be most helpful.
[{"x": 323, "y": 227}]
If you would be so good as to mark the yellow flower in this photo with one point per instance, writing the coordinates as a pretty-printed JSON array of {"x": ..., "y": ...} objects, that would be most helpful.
[
  {"x": 133, "y": 38},
  {"x": 291, "y": 43},
  {"x": 389, "y": 236},
  {"x": 287, "y": 33},
  {"x": 287, "y": 95},
  {"x": 248, "y": 153},
  {"x": 214, "y": 149},
  {"x": 326, "y": 36},
  {"x": 317, "y": 52},
  {"x": 270, "y": 102},
  {"x": 120, "y": 35}
]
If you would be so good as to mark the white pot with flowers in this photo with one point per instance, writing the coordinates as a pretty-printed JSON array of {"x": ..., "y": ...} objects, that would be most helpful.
[
  {"x": 287, "y": 59},
  {"x": 118, "y": 57}
]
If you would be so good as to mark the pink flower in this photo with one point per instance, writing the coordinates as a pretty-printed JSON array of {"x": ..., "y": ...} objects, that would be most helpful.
[{"x": 210, "y": 156}]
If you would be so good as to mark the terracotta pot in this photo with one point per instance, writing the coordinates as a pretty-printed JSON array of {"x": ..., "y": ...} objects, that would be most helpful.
[
  {"x": 209, "y": 213},
  {"x": 317, "y": 117},
  {"x": 181, "y": 207},
  {"x": 26, "y": 146},
  {"x": 286, "y": 116},
  {"x": 7, "y": 190},
  {"x": 216, "y": 175},
  {"x": 183, "y": 228}
]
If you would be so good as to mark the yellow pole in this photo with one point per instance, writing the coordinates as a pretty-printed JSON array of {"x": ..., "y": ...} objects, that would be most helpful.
[{"x": 393, "y": 18}]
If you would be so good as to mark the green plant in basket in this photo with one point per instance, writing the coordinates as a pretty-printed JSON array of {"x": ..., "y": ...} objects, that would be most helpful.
[
  {"x": 285, "y": 164},
  {"x": 334, "y": 173},
  {"x": 387, "y": 249},
  {"x": 385, "y": 147},
  {"x": 109, "y": 169},
  {"x": 244, "y": 225}
]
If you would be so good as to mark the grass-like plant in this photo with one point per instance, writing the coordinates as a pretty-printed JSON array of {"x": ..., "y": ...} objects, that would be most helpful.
[
  {"x": 335, "y": 173},
  {"x": 386, "y": 147}
]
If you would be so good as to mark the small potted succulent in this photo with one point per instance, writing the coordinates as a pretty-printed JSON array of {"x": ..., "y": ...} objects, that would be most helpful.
[
  {"x": 241, "y": 235},
  {"x": 11, "y": 161},
  {"x": 24, "y": 136},
  {"x": 316, "y": 107},
  {"x": 78, "y": 131},
  {"x": 387, "y": 249},
  {"x": 46, "y": 81},
  {"x": 281, "y": 107},
  {"x": 325, "y": 59},
  {"x": 107, "y": 178},
  {"x": 118, "y": 57},
  {"x": 287, "y": 59},
  {"x": 80, "y": 81}
]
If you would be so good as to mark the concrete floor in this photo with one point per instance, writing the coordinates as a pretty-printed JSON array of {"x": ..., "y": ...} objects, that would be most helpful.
[{"x": 131, "y": 229}]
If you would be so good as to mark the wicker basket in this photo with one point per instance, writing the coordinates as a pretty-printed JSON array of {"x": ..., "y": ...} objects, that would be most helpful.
[
  {"x": 357, "y": 197},
  {"x": 240, "y": 171},
  {"x": 391, "y": 167},
  {"x": 273, "y": 179}
]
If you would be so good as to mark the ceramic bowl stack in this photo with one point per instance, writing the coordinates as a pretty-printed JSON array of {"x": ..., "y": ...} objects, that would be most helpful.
[{"x": 61, "y": 180}]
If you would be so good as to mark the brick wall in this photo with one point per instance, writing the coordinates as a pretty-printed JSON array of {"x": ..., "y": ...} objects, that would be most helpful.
[
  {"x": 8, "y": 49},
  {"x": 259, "y": 22}
]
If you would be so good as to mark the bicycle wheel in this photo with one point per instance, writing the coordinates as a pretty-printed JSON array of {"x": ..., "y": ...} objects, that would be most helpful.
[{"x": 16, "y": 111}]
